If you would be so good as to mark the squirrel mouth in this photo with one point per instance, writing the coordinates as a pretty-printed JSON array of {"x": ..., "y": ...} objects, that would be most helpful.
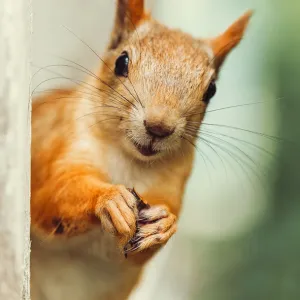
[{"x": 146, "y": 150}]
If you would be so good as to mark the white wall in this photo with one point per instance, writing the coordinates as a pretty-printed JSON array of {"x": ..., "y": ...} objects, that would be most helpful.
[{"x": 14, "y": 149}]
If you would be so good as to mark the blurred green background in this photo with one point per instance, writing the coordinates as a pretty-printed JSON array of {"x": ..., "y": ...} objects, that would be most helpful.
[{"x": 239, "y": 235}]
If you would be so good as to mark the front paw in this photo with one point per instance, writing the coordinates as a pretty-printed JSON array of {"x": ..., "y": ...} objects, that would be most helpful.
[
  {"x": 155, "y": 227},
  {"x": 118, "y": 213}
]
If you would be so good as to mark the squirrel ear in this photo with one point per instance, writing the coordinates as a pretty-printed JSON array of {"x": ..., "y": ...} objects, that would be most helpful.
[
  {"x": 227, "y": 41},
  {"x": 129, "y": 14}
]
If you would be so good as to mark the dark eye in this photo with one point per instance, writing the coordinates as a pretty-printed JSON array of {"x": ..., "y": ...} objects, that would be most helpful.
[
  {"x": 121, "y": 65},
  {"x": 212, "y": 89}
]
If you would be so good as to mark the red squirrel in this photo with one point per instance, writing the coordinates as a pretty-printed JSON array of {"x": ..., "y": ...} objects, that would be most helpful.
[{"x": 133, "y": 124}]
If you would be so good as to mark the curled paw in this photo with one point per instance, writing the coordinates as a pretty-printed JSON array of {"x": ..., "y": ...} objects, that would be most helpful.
[
  {"x": 118, "y": 213},
  {"x": 155, "y": 227}
]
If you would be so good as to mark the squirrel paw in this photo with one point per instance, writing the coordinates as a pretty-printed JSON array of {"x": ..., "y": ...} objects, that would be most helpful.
[
  {"x": 118, "y": 214},
  {"x": 155, "y": 227}
]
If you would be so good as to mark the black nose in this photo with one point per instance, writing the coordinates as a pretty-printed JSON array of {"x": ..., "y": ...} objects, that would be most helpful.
[{"x": 159, "y": 131}]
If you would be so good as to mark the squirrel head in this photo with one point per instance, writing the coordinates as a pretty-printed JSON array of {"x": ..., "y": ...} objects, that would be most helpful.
[{"x": 158, "y": 81}]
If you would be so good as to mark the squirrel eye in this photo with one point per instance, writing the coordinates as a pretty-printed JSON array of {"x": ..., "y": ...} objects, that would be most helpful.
[
  {"x": 121, "y": 65},
  {"x": 211, "y": 91}
]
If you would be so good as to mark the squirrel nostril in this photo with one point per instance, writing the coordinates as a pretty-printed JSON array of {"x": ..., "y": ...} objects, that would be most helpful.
[{"x": 158, "y": 130}]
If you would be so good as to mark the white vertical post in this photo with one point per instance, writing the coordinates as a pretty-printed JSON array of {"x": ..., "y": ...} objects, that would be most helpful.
[{"x": 14, "y": 149}]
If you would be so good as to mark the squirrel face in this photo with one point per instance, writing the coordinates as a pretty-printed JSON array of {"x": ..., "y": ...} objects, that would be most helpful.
[{"x": 161, "y": 81}]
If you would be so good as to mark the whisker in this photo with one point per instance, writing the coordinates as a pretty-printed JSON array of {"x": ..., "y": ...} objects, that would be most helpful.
[
  {"x": 46, "y": 68},
  {"x": 136, "y": 92},
  {"x": 273, "y": 138},
  {"x": 242, "y": 141},
  {"x": 59, "y": 65},
  {"x": 231, "y": 107},
  {"x": 50, "y": 66},
  {"x": 52, "y": 90},
  {"x": 95, "y": 76},
  {"x": 234, "y": 146},
  {"x": 78, "y": 65},
  {"x": 98, "y": 122},
  {"x": 241, "y": 105},
  {"x": 242, "y": 153},
  {"x": 236, "y": 159},
  {"x": 114, "y": 98},
  {"x": 215, "y": 151},
  {"x": 81, "y": 40},
  {"x": 91, "y": 73},
  {"x": 202, "y": 155},
  {"x": 135, "y": 30},
  {"x": 97, "y": 95},
  {"x": 99, "y": 112},
  {"x": 51, "y": 102},
  {"x": 108, "y": 93},
  {"x": 62, "y": 77}
]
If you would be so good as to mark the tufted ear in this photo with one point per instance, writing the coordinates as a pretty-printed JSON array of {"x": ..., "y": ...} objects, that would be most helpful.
[
  {"x": 228, "y": 40},
  {"x": 129, "y": 14}
]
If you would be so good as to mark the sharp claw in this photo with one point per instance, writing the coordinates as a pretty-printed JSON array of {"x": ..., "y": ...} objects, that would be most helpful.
[
  {"x": 132, "y": 249},
  {"x": 135, "y": 240},
  {"x": 127, "y": 247},
  {"x": 140, "y": 203},
  {"x": 137, "y": 226},
  {"x": 143, "y": 222},
  {"x": 146, "y": 221}
]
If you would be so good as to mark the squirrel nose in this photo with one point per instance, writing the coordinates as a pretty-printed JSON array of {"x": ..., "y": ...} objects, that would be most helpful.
[{"x": 159, "y": 131}]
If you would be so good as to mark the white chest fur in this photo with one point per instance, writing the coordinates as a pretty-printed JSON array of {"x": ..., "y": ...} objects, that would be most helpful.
[
  {"x": 84, "y": 269},
  {"x": 122, "y": 170},
  {"x": 89, "y": 268}
]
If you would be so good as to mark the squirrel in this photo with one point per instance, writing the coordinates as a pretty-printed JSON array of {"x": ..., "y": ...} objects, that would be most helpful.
[{"x": 132, "y": 125}]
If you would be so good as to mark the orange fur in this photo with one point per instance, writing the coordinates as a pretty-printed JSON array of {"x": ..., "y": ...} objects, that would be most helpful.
[
  {"x": 85, "y": 156},
  {"x": 225, "y": 42},
  {"x": 136, "y": 11}
]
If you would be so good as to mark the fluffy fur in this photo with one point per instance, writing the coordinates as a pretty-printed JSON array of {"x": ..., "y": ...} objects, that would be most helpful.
[{"x": 85, "y": 154}]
